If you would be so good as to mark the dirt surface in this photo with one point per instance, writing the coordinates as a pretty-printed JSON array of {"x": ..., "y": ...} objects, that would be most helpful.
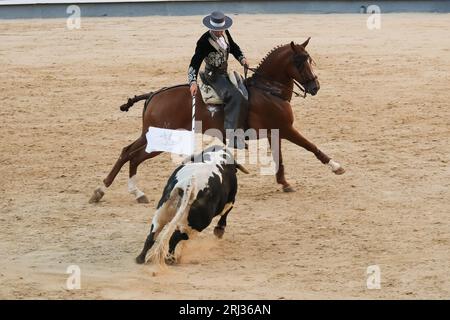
[{"x": 382, "y": 112}]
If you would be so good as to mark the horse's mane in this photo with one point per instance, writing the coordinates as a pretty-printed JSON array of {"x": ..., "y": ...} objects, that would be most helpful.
[{"x": 274, "y": 49}]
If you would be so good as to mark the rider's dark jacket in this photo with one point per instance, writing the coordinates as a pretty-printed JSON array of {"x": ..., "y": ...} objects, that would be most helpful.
[{"x": 215, "y": 57}]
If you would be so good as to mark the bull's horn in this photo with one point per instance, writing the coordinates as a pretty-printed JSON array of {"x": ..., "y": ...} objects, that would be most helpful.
[{"x": 242, "y": 168}]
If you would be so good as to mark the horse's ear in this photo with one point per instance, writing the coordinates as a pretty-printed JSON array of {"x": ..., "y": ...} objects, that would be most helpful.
[
  {"x": 293, "y": 45},
  {"x": 304, "y": 44}
]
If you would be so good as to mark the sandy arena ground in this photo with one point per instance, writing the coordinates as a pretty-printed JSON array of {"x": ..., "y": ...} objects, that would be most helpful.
[{"x": 383, "y": 112}]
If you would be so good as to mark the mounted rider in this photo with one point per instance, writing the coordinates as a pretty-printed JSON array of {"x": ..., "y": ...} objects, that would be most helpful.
[{"x": 214, "y": 47}]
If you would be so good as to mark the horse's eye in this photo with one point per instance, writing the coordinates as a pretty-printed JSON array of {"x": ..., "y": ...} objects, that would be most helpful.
[{"x": 300, "y": 60}]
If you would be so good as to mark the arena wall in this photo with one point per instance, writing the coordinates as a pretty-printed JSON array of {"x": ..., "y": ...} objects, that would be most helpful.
[{"x": 13, "y": 9}]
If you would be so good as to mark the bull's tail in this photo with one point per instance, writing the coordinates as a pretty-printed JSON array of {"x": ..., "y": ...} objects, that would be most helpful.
[
  {"x": 160, "y": 248},
  {"x": 132, "y": 101}
]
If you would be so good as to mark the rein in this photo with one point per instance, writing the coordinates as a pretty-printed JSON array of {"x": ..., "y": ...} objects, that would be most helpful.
[{"x": 299, "y": 85}]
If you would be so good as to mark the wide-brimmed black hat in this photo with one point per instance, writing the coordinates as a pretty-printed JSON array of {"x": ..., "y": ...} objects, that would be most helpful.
[{"x": 217, "y": 21}]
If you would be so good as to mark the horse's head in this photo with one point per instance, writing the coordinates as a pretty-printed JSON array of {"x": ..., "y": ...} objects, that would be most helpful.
[{"x": 300, "y": 68}]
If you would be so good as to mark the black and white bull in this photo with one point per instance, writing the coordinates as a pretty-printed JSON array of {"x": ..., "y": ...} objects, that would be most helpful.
[{"x": 195, "y": 193}]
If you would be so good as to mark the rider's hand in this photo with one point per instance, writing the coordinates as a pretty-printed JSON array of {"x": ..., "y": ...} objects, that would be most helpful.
[
  {"x": 193, "y": 88},
  {"x": 245, "y": 63}
]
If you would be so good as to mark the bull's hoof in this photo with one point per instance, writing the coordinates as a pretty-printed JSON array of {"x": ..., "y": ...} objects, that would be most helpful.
[
  {"x": 96, "y": 197},
  {"x": 339, "y": 171},
  {"x": 219, "y": 231},
  {"x": 170, "y": 259},
  {"x": 140, "y": 259},
  {"x": 142, "y": 199},
  {"x": 288, "y": 188}
]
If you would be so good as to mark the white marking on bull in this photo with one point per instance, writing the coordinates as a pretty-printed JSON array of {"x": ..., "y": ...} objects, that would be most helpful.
[
  {"x": 159, "y": 250},
  {"x": 203, "y": 170}
]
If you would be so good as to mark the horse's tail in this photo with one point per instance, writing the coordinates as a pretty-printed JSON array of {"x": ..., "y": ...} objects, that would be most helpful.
[
  {"x": 147, "y": 97},
  {"x": 131, "y": 101},
  {"x": 159, "y": 250}
]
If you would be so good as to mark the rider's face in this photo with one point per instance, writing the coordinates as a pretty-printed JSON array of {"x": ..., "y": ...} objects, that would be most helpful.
[{"x": 218, "y": 33}]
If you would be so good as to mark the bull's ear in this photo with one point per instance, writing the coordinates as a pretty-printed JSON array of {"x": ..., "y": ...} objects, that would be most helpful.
[
  {"x": 241, "y": 168},
  {"x": 304, "y": 44}
]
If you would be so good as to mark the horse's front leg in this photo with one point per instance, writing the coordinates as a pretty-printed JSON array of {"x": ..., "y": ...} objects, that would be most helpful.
[
  {"x": 281, "y": 179},
  {"x": 295, "y": 137}
]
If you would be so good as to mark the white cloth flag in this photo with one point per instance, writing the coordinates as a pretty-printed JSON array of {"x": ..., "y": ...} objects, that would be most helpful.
[{"x": 175, "y": 141}]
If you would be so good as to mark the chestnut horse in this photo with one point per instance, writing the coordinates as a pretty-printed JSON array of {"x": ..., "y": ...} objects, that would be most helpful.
[{"x": 270, "y": 91}]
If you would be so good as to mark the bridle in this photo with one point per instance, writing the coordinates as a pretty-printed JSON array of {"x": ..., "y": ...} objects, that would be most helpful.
[{"x": 299, "y": 61}]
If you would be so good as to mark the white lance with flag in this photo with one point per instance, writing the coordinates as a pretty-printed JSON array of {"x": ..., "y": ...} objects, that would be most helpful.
[{"x": 169, "y": 140}]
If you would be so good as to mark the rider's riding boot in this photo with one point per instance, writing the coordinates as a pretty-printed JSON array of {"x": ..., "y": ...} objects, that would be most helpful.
[
  {"x": 236, "y": 110},
  {"x": 236, "y": 141}
]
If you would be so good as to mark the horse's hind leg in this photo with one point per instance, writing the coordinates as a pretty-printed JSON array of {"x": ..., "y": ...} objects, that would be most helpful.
[
  {"x": 295, "y": 137},
  {"x": 123, "y": 158},
  {"x": 136, "y": 159}
]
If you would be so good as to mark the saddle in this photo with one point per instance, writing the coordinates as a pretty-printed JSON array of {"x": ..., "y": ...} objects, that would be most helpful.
[{"x": 209, "y": 95}]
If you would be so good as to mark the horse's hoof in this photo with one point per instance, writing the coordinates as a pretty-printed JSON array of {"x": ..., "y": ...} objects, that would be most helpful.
[
  {"x": 339, "y": 171},
  {"x": 219, "y": 231},
  {"x": 336, "y": 167},
  {"x": 98, "y": 194},
  {"x": 288, "y": 188},
  {"x": 140, "y": 259},
  {"x": 142, "y": 199}
]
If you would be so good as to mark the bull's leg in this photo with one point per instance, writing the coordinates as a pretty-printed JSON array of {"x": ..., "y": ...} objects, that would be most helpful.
[
  {"x": 136, "y": 159},
  {"x": 281, "y": 179},
  {"x": 219, "y": 230},
  {"x": 162, "y": 216},
  {"x": 176, "y": 237},
  {"x": 295, "y": 137},
  {"x": 147, "y": 246}
]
